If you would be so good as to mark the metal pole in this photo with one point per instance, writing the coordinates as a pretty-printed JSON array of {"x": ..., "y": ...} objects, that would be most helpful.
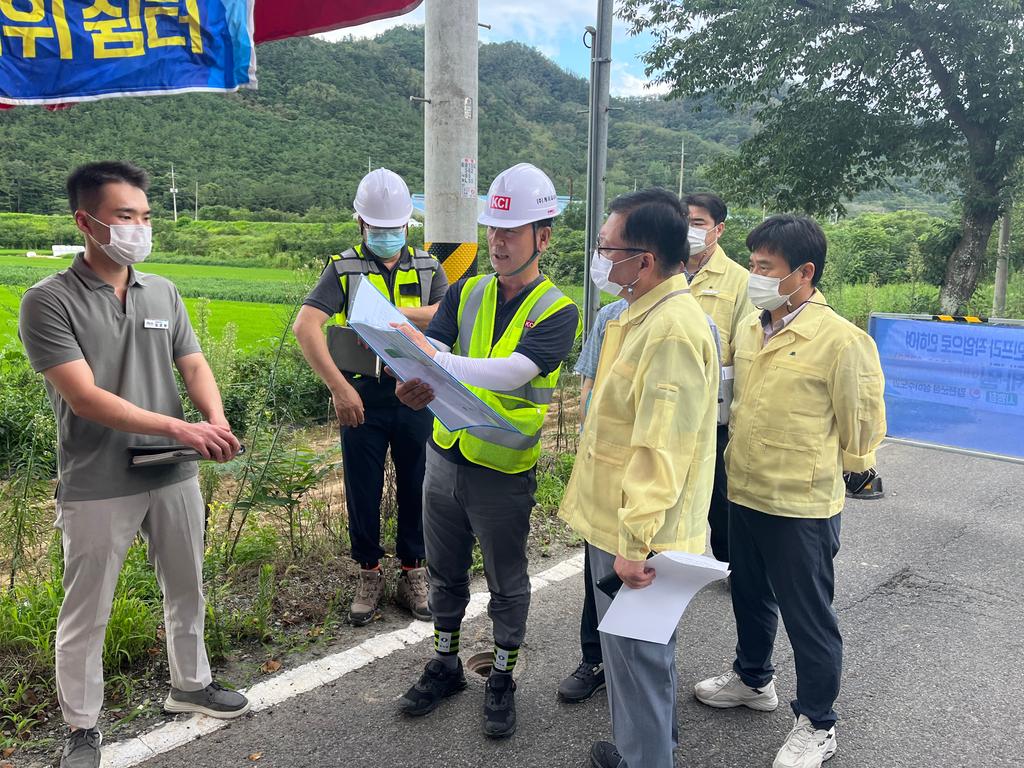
[
  {"x": 450, "y": 134},
  {"x": 1002, "y": 266},
  {"x": 597, "y": 157}
]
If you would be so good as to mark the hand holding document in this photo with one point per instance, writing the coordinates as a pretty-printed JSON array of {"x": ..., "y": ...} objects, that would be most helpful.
[
  {"x": 653, "y": 612},
  {"x": 454, "y": 405}
]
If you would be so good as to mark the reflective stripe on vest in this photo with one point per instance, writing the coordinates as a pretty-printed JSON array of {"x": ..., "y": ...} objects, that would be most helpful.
[
  {"x": 352, "y": 267},
  {"x": 525, "y": 407}
]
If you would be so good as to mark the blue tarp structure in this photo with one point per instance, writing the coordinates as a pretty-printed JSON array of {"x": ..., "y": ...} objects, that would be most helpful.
[{"x": 953, "y": 384}]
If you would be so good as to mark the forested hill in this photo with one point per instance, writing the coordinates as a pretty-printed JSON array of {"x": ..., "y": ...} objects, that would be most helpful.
[{"x": 324, "y": 110}]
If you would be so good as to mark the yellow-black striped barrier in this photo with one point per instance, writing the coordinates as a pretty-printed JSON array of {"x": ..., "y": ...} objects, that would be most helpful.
[
  {"x": 458, "y": 259},
  {"x": 960, "y": 319}
]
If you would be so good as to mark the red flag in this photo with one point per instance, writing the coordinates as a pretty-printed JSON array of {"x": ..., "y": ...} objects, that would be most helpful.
[{"x": 276, "y": 19}]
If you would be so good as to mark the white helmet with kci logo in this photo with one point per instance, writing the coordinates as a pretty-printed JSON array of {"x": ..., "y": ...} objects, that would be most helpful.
[
  {"x": 521, "y": 195},
  {"x": 383, "y": 199}
]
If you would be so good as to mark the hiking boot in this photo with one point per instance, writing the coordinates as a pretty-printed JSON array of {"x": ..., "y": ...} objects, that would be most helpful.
[
  {"x": 500, "y": 705},
  {"x": 368, "y": 594},
  {"x": 806, "y": 746},
  {"x": 82, "y": 749},
  {"x": 587, "y": 680},
  {"x": 214, "y": 700},
  {"x": 603, "y": 754},
  {"x": 437, "y": 682},
  {"x": 728, "y": 690},
  {"x": 412, "y": 592}
]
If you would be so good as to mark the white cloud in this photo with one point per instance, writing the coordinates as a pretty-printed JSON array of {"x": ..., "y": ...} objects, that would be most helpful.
[
  {"x": 625, "y": 83},
  {"x": 530, "y": 22}
]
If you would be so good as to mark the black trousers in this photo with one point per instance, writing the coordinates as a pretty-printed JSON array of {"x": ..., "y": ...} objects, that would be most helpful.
[
  {"x": 784, "y": 564},
  {"x": 590, "y": 638},
  {"x": 718, "y": 512},
  {"x": 364, "y": 450}
]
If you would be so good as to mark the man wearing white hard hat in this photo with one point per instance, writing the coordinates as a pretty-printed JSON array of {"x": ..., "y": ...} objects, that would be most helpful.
[
  {"x": 505, "y": 336},
  {"x": 371, "y": 417}
]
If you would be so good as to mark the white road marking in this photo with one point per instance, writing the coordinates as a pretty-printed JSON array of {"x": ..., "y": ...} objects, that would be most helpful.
[{"x": 308, "y": 677}]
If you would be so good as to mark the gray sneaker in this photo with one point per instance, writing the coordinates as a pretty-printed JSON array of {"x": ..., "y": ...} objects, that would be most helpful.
[
  {"x": 413, "y": 588},
  {"x": 214, "y": 700},
  {"x": 82, "y": 749},
  {"x": 368, "y": 594}
]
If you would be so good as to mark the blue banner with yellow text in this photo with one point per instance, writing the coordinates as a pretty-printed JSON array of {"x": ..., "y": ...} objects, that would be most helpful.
[
  {"x": 63, "y": 51},
  {"x": 953, "y": 384}
]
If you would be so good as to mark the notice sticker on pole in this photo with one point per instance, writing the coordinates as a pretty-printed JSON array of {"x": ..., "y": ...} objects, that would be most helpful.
[{"x": 467, "y": 177}]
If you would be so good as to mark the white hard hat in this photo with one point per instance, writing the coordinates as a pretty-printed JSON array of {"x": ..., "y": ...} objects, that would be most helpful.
[
  {"x": 383, "y": 199},
  {"x": 521, "y": 195}
]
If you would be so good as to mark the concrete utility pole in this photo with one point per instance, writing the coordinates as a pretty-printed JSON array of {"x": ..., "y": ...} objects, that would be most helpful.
[
  {"x": 597, "y": 157},
  {"x": 174, "y": 193},
  {"x": 1002, "y": 266},
  {"x": 450, "y": 135},
  {"x": 682, "y": 166}
]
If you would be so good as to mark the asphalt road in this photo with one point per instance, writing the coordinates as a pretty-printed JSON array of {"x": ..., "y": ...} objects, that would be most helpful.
[{"x": 929, "y": 592}]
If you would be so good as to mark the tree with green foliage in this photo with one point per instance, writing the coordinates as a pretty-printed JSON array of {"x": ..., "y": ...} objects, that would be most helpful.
[{"x": 853, "y": 93}]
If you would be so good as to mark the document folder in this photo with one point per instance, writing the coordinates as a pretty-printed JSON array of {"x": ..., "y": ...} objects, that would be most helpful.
[{"x": 350, "y": 354}]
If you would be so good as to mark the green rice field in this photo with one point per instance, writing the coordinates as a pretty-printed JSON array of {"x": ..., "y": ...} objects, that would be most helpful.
[{"x": 256, "y": 323}]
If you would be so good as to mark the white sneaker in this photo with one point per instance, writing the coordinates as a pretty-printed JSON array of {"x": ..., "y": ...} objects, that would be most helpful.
[
  {"x": 728, "y": 690},
  {"x": 806, "y": 746}
]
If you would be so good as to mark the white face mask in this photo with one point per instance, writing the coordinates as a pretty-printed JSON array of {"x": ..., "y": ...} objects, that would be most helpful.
[
  {"x": 764, "y": 291},
  {"x": 697, "y": 238},
  {"x": 129, "y": 243},
  {"x": 601, "y": 268}
]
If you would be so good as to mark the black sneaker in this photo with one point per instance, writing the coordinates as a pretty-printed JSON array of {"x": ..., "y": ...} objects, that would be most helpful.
[
  {"x": 500, "y": 706},
  {"x": 82, "y": 749},
  {"x": 213, "y": 701},
  {"x": 603, "y": 754},
  {"x": 587, "y": 680},
  {"x": 437, "y": 682}
]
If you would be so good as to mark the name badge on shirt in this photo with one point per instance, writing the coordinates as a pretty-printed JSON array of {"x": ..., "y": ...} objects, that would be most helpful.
[
  {"x": 160, "y": 325},
  {"x": 710, "y": 292}
]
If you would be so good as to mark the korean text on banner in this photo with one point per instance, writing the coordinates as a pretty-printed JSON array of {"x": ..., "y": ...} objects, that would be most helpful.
[
  {"x": 63, "y": 51},
  {"x": 952, "y": 384}
]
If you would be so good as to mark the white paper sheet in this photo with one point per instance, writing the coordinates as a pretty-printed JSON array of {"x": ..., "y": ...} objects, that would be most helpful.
[
  {"x": 454, "y": 405},
  {"x": 653, "y": 612}
]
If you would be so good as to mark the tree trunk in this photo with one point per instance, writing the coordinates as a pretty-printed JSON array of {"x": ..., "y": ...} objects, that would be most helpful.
[{"x": 963, "y": 268}]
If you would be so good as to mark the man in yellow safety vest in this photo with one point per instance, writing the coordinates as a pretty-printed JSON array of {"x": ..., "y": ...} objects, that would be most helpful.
[
  {"x": 503, "y": 335},
  {"x": 371, "y": 417}
]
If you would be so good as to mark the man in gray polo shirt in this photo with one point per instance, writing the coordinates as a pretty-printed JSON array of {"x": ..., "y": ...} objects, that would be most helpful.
[{"x": 107, "y": 339}]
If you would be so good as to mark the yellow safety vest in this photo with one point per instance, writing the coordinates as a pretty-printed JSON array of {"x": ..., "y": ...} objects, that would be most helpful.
[
  {"x": 525, "y": 407},
  {"x": 414, "y": 274}
]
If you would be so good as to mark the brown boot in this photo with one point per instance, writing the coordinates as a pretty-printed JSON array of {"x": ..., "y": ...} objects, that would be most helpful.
[
  {"x": 412, "y": 592},
  {"x": 368, "y": 594}
]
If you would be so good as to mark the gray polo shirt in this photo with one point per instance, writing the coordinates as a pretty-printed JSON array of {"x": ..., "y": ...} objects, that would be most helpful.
[{"x": 74, "y": 315}]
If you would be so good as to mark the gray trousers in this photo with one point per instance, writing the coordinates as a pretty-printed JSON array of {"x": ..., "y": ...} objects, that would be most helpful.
[
  {"x": 462, "y": 502},
  {"x": 96, "y": 536},
  {"x": 641, "y": 679}
]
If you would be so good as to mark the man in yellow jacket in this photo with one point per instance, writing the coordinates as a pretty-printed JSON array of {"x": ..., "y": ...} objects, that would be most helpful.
[
  {"x": 719, "y": 285},
  {"x": 646, "y": 460},
  {"x": 807, "y": 408}
]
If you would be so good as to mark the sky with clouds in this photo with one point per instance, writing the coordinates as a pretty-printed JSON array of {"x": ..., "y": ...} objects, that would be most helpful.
[{"x": 555, "y": 28}]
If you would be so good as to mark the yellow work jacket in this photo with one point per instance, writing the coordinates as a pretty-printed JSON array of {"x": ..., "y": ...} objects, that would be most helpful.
[
  {"x": 807, "y": 406},
  {"x": 720, "y": 287},
  {"x": 646, "y": 460}
]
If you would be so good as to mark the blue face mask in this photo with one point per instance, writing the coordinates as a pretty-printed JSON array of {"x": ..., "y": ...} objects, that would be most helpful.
[{"x": 386, "y": 243}]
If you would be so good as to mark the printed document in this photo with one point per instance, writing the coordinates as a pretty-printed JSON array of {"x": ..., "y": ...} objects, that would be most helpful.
[
  {"x": 653, "y": 612},
  {"x": 454, "y": 405}
]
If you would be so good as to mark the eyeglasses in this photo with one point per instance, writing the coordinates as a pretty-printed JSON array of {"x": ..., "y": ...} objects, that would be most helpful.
[{"x": 602, "y": 248}]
